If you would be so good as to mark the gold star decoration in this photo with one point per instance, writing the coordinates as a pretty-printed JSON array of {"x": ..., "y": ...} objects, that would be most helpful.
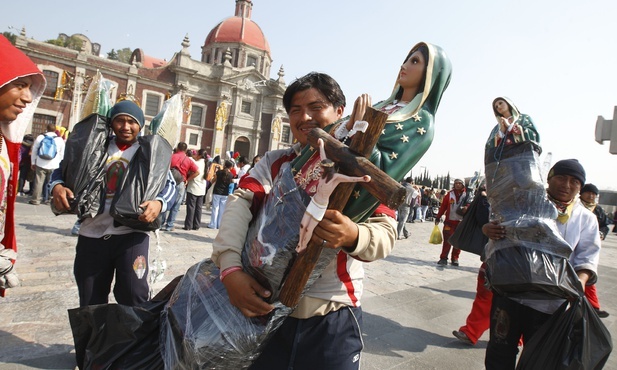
[
  {"x": 421, "y": 130},
  {"x": 356, "y": 194},
  {"x": 393, "y": 155},
  {"x": 416, "y": 117},
  {"x": 383, "y": 131},
  {"x": 405, "y": 138},
  {"x": 399, "y": 126}
]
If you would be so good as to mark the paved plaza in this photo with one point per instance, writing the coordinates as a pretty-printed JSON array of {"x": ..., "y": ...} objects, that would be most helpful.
[{"x": 410, "y": 305}]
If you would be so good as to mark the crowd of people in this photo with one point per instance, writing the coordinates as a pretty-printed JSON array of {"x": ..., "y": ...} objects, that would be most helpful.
[{"x": 326, "y": 326}]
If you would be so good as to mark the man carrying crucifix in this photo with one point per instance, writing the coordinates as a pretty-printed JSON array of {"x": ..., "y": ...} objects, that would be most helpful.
[{"x": 332, "y": 304}]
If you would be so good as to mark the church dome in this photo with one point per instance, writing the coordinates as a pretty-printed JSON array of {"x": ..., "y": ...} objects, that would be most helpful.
[{"x": 239, "y": 29}]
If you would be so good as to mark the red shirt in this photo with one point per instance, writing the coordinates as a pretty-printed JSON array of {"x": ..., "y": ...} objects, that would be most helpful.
[{"x": 183, "y": 163}]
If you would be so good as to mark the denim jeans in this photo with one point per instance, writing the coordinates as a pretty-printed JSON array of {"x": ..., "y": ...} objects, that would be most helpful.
[
  {"x": 173, "y": 211},
  {"x": 218, "y": 207}
]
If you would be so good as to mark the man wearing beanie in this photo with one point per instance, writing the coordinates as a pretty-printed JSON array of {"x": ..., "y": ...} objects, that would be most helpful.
[
  {"x": 104, "y": 246},
  {"x": 512, "y": 318},
  {"x": 589, "y": 195}
]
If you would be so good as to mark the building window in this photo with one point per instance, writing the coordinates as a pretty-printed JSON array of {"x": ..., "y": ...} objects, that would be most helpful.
[
  {"x": 153, "y": 103},
  {"x": 196, "y": 115},
  {"x": 251, "y": 61},
  {"x": 246, "y": 107},
  {"x": 40, "y": 122},
  {"x": 286, "y": 134},
  {"x": 193, "y": 139},
  {"x": 52, "y": 83}
]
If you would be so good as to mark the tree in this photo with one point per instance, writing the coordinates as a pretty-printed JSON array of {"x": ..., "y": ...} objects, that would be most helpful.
[
  {"x": 112, "y": 55},
  {"x": 73, "y": 42},
  {"x": 11, "y": 37},
  {"x": 122, "y": 55}
]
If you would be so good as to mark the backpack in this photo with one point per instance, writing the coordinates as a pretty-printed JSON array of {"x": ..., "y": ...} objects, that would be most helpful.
[{"x": 48, "y": 148}]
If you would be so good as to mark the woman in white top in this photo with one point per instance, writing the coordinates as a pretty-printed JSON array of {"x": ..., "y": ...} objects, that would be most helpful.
[{"x": 195, "y": 193}]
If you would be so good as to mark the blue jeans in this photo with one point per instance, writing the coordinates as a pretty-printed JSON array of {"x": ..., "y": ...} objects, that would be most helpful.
[
  {"x": 218, "y": 207},
  {"x": 173, "y": 211}
]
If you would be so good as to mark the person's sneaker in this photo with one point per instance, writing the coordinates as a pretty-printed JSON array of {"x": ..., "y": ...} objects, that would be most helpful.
[
  {"x": 462, "y": 337},
  {"x": 454, "y": 263},
  {"x": 34, "y": 202},
  {"x": 443, "y": 261},
  {"x": 601, "y": 314}
]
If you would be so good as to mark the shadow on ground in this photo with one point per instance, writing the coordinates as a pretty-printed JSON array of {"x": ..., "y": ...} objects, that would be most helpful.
[{"x": 17, "y": 351}]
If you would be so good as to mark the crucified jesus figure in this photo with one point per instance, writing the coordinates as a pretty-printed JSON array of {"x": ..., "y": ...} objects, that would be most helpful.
[{"x": 319, "y": 203}]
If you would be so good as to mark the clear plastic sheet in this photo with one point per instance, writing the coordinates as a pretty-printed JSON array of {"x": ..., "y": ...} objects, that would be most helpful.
[
  {"x": 200, "y": 328},
  {"x": 145, "y": 178},
  {"x": 533, "y": 258},
  {"x": 168, "y": 121},
  {"x": 83, "y": 165}
]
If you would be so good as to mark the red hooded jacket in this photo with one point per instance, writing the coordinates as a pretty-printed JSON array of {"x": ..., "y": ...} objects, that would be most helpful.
[{"x": 15, "y": 64}]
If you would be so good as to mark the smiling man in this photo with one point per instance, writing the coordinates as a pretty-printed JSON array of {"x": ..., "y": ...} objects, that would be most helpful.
[
  {"x": 105, "y": 247},
  {"x": 21, "y": 86},
  {"x": 324, "y": 331}
]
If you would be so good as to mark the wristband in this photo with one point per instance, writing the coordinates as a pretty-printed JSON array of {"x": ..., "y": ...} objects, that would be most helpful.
[{"x": 229, "y": 270}]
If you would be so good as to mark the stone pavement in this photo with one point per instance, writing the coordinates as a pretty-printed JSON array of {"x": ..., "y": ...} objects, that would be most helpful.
[{"x": 410, "y": 305}]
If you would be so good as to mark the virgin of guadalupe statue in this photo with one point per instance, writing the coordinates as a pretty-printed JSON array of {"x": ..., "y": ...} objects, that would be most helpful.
[{"x": 421, "y": 80}]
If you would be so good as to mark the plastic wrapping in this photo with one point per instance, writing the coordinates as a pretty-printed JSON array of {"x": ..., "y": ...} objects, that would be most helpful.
[
  {"x": 468, "y": 235},
  {"x": 97, "y": 98},
  {"x": 83, "y": 165},
  {"x": 144, "y": 179},
  {"x": 573, "y": 338},
  {"x": 168, "y": 121},
  {"x": 111, "y": 336},
  {"x": 201, "y": 329},
  {"x": 533, "y": 257}
]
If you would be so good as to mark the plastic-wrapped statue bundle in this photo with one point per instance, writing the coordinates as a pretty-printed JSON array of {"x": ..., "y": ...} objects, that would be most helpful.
[
  {"x": 533, "y": 257},
  {"x": 200, "y": 327}
]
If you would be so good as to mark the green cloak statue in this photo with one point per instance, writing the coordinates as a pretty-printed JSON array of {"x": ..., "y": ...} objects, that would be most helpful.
[{"x": 408, "y": 133}]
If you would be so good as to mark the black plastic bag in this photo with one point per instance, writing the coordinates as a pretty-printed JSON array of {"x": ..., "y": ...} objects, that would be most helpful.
[
  {"x": 145, "y": 178},
  {"x": 531, "y": 273},
  {"x": 573, "y": 338},
  {"x": 468, "y": 235},
  {"x": 111, "y": 336},
  {"x": 83, "y": 165}
]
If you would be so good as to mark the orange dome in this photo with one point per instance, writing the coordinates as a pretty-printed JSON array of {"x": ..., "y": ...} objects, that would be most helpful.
[{"x": 238, "y": 29}]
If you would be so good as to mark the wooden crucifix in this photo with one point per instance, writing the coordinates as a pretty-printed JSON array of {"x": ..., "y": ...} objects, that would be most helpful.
[{"x": 351, "y": 161}]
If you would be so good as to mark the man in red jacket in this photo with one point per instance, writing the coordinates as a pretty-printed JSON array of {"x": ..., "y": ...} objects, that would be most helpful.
[
  {"x": 450, "y": 203},
  {"x": 21, "y": 86}
]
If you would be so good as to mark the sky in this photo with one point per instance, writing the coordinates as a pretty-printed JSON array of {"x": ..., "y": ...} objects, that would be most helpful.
[{"x": 556, "y": 60}]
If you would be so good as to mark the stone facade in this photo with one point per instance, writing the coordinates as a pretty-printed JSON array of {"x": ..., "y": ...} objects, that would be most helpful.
[{"x": 235, "y": 106}]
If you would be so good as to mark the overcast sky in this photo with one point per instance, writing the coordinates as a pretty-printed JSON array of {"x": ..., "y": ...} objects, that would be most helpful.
[{"x": 556, "y": 60}]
